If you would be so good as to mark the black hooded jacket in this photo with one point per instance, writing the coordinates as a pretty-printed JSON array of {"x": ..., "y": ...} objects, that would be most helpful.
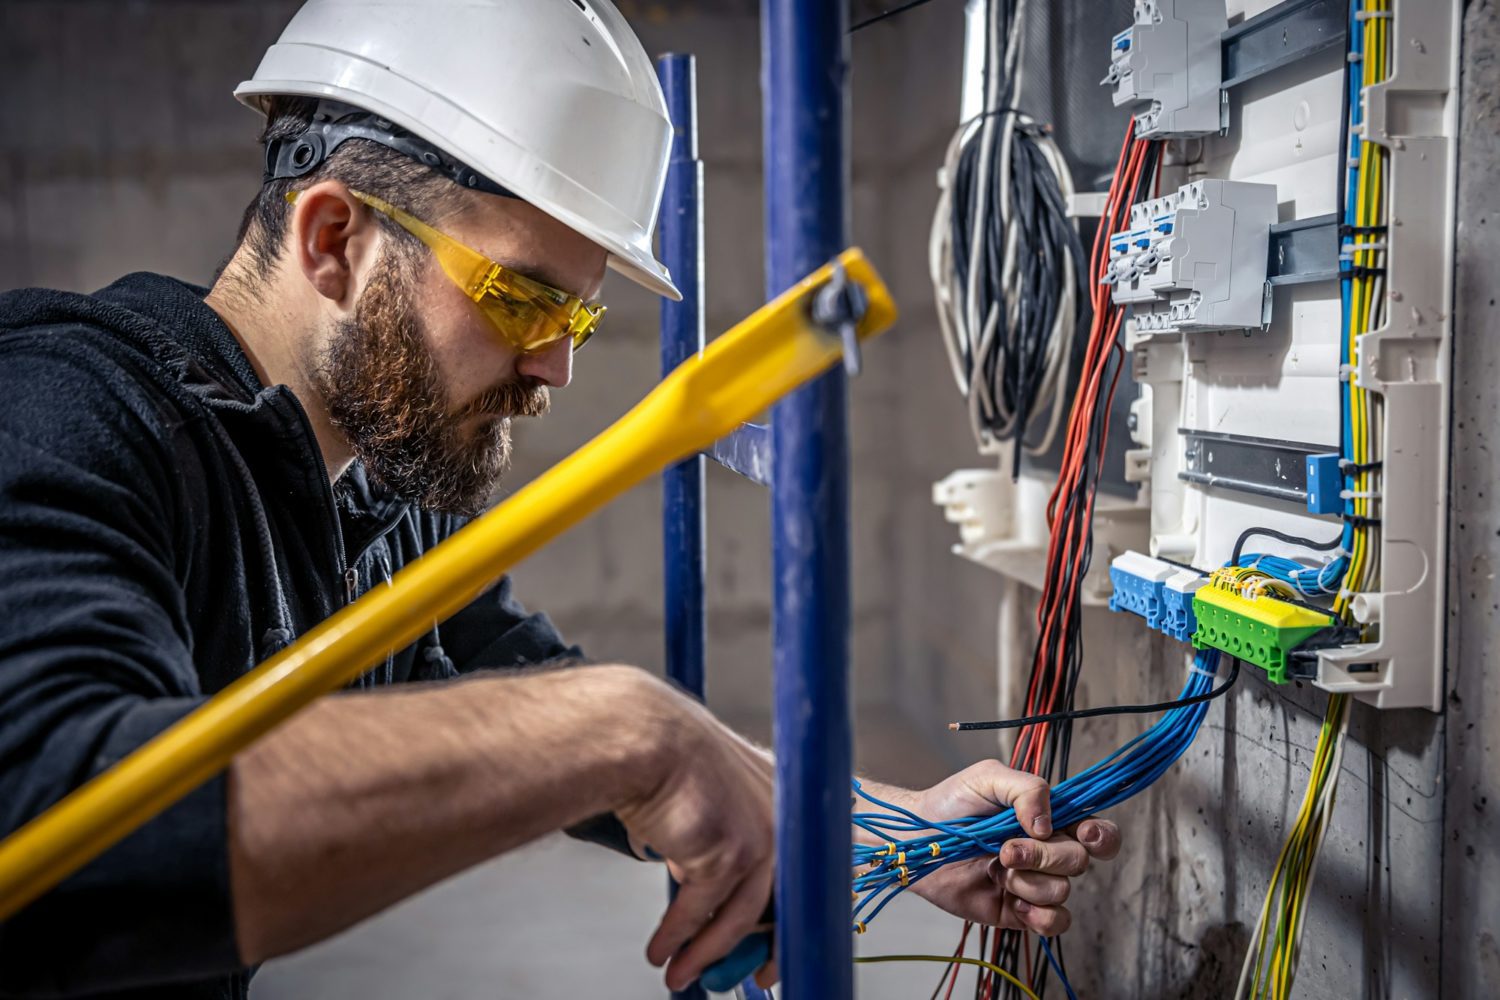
[{"x": 166, "y": 523}]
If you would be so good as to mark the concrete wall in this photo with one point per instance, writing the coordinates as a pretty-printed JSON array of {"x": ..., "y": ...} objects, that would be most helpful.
[
  {"x": 1471, "y": 753},
  {"x": 121, "y": 149}
]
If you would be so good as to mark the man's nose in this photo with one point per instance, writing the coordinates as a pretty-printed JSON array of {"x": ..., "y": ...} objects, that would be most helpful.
[{"x": 552, "y": 365}]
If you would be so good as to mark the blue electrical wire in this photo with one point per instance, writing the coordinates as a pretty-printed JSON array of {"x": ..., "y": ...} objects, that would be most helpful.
[
  {"x": 1057, "y": 968},
  {"x": 1310, "y": 581},
  {"x": 914, "y": 847},
  {"x": 1347, "y": 238}
]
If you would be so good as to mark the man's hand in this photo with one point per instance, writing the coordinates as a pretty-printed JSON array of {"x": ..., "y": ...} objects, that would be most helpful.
[
  {"x": 1026, "y": 886},
  {"x": 708, "y": 812}
]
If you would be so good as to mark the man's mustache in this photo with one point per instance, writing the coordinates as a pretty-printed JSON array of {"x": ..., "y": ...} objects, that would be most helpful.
[{"x": 513, "y": 398}]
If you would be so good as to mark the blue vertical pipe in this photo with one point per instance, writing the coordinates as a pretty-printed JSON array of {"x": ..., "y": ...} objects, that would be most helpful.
[
  {"x": 682, "y": 516},
  {"x": 804, "y": 71},
  {"x": 681, "y": 338}
]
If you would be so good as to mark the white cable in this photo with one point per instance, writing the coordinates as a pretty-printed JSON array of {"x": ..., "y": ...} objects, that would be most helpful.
[
  {"x": 940, "y": 263},
  {"x": 971, "y": 340}
]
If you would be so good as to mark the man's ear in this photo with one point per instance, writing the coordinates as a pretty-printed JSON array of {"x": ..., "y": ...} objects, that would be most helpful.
[{"x": 335, "y": 241}]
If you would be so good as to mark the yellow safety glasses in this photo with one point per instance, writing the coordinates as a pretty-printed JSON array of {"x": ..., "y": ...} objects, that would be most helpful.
[{"x": 528, "y": 315}]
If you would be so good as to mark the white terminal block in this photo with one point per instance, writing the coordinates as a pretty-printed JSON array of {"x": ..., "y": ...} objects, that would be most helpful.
[
  {"x": 1169, "y": 60},
  {"x": 1196, "y": 259},
  {"x": 1185, "y": 582}
]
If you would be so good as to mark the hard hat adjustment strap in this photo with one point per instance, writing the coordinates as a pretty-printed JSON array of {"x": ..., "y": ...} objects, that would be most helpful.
[{"x": 334, "y": 123}]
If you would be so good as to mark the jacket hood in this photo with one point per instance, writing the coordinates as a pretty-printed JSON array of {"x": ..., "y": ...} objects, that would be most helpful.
[{"x": 165, "y": 318}]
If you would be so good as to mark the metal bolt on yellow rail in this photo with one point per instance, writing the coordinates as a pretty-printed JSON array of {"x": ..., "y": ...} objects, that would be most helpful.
[{"x": 740, "y": 374}]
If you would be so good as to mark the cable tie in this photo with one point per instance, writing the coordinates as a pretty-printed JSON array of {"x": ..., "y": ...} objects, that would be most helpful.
[
  {"x": 1359, "y": 521},
  {"x": 1354, "y": 57},
  {"x": 1347, "y": 230},
  {"x": 1368, "y": 247},
  {"x": 1344, "y": 594},
  {"x": 1368, "y": 15},
  {"x": 1193, "y": 668},
  {"x": 1360, "y": 495},
  {"x": 1346, "y": 372},
  {"x": 1345, "y": 465}
]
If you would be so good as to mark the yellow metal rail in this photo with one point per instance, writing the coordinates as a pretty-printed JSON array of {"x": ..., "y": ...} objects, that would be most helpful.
[{"x": 740, "y": 374}]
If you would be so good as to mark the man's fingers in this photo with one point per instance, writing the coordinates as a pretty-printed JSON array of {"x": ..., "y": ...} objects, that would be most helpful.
[
  {"x": 767, "y": 975},
  {"x": 1048, "y": 921},
  {"x": 1057, "y": 856},
  {"x": 1028, "y": 793},
  {"x": 1100, "y": 838},
  {"x": 1037, "y": 888},
  {"x": 688, "y": 913},
  {"x": 733, "y": 922}
]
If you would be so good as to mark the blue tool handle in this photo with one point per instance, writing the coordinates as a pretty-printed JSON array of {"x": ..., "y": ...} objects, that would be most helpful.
[{"x": 739, "y": 965}]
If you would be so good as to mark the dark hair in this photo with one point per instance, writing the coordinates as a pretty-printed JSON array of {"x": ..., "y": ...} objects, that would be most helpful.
[{"x": 361, "y": 164}]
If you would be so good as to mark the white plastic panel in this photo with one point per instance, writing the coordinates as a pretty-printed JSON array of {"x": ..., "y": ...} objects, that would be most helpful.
[{"x": 1283, "y": 383}]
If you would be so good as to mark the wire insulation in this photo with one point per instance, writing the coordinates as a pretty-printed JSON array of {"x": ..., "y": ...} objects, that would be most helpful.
[
  {"x": 1092, "y": 713},
  {"x": 1005, "y": 259},
  {"x": 955, "y": 960}
]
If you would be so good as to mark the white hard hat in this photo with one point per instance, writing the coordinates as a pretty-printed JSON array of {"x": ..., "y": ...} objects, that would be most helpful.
[{"x": 553, "y": 100}]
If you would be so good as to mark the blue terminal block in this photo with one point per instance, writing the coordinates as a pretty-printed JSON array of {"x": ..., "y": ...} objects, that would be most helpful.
[
  {"x": 1139, "y": 580},
  {"x": 1178, "y": 619},
  {"x": 1325, "y": 484}
]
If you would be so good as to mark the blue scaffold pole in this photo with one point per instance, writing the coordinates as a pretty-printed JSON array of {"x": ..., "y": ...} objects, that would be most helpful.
[
  {"x": 682, "y": 328},
  {"x": 804, "y": 73}
]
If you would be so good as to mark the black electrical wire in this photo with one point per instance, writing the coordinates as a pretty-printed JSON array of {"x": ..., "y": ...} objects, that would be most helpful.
[
  {"x": 1064, "y": 576},
  {"x": 1016, "y": 265},
  {"x": 1306, "y": 543},
  {"x": 1090, "y": 713},
  {"x": 1024, "y": 202}
]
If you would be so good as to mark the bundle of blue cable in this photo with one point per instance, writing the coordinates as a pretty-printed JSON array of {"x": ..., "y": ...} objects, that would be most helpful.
[
  {"x": 913, "y": 847},
  {"x": 1310, "y": 581}
]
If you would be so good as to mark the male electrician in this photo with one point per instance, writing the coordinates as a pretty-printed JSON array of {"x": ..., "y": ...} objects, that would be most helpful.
[{"x": 191, "y": 478}]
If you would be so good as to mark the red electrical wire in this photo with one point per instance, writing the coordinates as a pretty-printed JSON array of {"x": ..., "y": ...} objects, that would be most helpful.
[
  {"x": 952, "y": 974},
  {"x": 1070, "y": 507},
  {"x": 1070, "y": 524}
]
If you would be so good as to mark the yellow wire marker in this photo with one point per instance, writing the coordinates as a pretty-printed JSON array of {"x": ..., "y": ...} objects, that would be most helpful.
[{"x": 741, "y": 373}]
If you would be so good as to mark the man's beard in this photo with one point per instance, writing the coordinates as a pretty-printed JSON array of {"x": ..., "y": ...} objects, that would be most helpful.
[{"x": 381, "y": 385}]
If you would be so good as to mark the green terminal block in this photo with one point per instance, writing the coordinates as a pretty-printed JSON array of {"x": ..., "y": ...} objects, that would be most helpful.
[{"x": 1260, "y": 631}]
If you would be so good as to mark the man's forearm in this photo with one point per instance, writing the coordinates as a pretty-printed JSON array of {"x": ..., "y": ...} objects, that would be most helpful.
[{"x": 366, "y": 798}]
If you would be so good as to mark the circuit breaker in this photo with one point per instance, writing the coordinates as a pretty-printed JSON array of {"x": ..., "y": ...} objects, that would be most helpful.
[
  {"x": 1196, "y": 259},
  {"x": 1169, "y": 61}
]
